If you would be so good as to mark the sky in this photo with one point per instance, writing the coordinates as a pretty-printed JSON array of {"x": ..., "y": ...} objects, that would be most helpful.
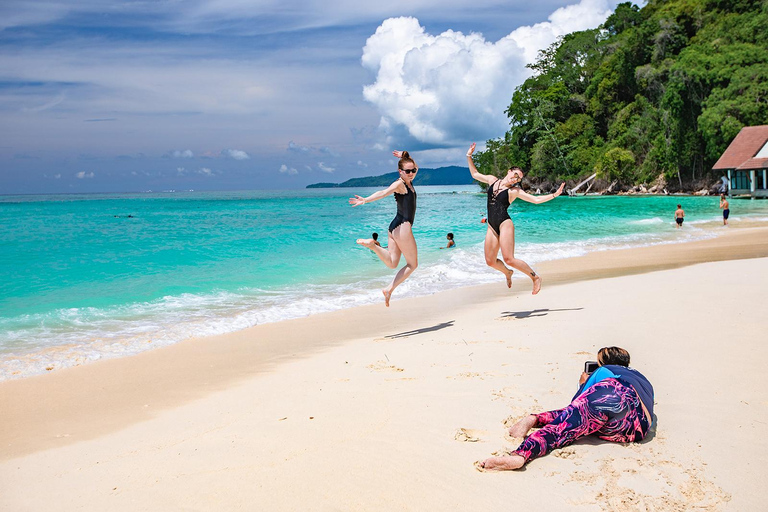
[{"x": 140, "y": 95}]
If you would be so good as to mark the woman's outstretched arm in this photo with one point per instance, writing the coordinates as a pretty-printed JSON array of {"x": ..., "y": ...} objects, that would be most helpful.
[
  {"x": 473, "y": 170},
  {"x": 525, "y": 196},
  {"x": 358, "y": 200}
]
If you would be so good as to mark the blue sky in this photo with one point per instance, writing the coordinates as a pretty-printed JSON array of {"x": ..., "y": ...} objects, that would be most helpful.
[{"x": 111, "y": 96}]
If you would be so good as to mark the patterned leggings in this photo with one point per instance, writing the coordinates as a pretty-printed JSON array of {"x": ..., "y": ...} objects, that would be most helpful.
[{"x": 609, "y": 409}]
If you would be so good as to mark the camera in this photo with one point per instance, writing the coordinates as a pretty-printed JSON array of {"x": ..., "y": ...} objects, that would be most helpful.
[{"x": 590, "y": 367}]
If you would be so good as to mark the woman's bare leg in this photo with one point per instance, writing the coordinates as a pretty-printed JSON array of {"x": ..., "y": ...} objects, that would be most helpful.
[
  {"x": 403, "y": 238},
  {"x": 507, "y": 245},
  {"x": 492, "y": 253},
  {"x": 389, "y": 256}
]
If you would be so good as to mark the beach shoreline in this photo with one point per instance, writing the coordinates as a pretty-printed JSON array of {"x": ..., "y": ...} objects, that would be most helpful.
[
  {"x": 154, "y": 280},
  {"x": 229, "y": 357},
  {"x": 327, "y": 363}
]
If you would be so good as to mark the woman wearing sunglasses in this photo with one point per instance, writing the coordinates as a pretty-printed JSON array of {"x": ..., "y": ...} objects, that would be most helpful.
[
  {"x": 501, "y": 229},
  {"x": 401, "y": 239}
]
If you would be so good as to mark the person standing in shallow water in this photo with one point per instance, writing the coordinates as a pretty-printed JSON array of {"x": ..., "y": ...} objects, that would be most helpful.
[
  {"x": 679, "y": 216},
  {"x": 724, "y": 207},
  {"x": 401, "y": 240},
  {"x": 500, "y": 234}
]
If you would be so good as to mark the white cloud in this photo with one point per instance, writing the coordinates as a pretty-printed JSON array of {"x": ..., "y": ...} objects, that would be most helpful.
[
  {"x": 236, "y": 154},
  {"x": 181, "y": 171},
  {"x": 362, "y": 164},
  {"x": 57, "y": 176},
  {"x": 82, "y": 174},
  {"x": 325, "y": 168},
  {"x": 187, "y": 153},
  {"x": 206, "y": 171},
  {"x": 288, "y": 170},
  {"x": 292, "y": 146},
  {"x": 454, "y": 87},
  {"x": 328, "y": 151},
  {"x": 49, "y": 104}
]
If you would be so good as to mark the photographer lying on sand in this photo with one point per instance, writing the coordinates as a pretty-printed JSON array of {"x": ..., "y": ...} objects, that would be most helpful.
[{"x": 614, "y": 402}]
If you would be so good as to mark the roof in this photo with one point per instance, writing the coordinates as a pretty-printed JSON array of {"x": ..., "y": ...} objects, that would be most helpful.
[
  {"x": 743, "y": 148},
  {"x": 753, "y": 163}
]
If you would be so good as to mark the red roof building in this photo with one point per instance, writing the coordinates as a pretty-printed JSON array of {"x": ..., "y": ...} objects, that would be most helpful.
[{"x": 746, "y": 162}]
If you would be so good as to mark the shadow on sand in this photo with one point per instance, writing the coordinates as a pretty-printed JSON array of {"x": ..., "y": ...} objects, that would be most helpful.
[
  {"x": 534, "y": 312},
  {"x": 421, "y": 331}
]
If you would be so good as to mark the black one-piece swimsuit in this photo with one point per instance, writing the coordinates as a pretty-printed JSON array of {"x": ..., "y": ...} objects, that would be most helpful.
[
  {"x": 406, "y": 208},
  {"x": 498, "y": 202}
]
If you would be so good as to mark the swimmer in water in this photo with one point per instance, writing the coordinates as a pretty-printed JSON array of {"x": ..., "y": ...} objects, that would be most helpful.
[{"x": 451, "y": 243}]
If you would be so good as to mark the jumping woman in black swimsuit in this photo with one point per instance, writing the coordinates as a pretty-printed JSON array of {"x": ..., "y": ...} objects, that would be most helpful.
[
  {"x": 401, "y": 239},
  {"x": 501, "y": 230}
]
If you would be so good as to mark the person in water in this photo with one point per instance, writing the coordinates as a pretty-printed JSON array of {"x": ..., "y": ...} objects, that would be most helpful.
[
  {"x": 615, "y": 403},
  {"x": 451, "y": 243},
  {"x": 401, "y": 241},
  {"x": 501, "y": 230},
  {"x": 679, "y": 216},
  {"x": 724, "y": 207}
]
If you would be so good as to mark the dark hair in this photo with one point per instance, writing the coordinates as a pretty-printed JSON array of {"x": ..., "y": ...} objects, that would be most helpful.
[
  {"x": 613, "y": 355},
  {"x": 450, "y": 236},
  {"x": 679, "y": 206},
  {"x": 375, "y": 236},
  {"x": 405, "y": 159}
]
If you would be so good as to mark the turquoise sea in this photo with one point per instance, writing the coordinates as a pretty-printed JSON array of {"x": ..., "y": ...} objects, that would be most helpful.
[{"x": 83, "y": 277}]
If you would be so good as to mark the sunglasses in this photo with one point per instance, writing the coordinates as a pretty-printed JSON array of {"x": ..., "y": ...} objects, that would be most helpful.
[{"x": 409, "y": 171}]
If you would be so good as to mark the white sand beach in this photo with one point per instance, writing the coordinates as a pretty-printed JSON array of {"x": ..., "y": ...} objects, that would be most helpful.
[{"x": 387, "y": 409}]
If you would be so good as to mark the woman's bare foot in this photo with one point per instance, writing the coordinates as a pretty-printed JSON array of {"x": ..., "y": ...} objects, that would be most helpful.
[
  {"x": 367, "y": 242},
  {"x": 536, "y": 284},
  {"x": 507, "y": 462},
  {"x": 509, "y": 278},
  {"x": 522, "y": 427},
  {"x": 387, "y": 296}
]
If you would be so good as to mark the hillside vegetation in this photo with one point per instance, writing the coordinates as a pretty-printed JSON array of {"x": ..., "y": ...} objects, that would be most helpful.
[
  {"x": 451, "y": 175},
  {"x": 653, "y": 95}
]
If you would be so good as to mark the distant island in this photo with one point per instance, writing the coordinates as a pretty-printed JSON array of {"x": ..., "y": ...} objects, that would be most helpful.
[{"x": 451, "y": 175}]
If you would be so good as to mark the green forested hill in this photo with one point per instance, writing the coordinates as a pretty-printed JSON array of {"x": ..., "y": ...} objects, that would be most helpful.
[
  {"x": 662, "y": 89},
  {"x": 451, "y": 175}
]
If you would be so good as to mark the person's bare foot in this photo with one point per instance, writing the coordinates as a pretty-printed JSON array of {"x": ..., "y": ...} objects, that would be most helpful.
[
  {"x": 367, "y": 242},
  {"x": 387, "y": 296},
  {"x": 505, "y": 463},
  {"x": 536, "y": 284},
  {"x": 509, "y": 278},
  {"x": 522, "y": 427}
]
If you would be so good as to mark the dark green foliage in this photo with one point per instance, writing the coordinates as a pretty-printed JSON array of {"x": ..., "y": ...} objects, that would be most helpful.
[{"x": 662, "y": 89}]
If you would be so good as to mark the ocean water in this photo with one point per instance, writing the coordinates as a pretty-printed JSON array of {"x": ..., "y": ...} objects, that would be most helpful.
[{"x": 83, "y": 277}]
